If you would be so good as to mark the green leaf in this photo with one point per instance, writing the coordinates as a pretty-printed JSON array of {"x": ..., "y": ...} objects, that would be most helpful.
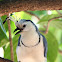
[
  {"x": 12, "y": 24},
  {"x": 22, "y": 15},
  {"x": 47, "y": 17},
  {"x": 56, "y": 24},
  {"x": 7, "y": 51},
  {"x": 54, "y": 12},
  {"x": 5, "y": 25},
  {"x": 52, "y": 47},
  {"x": 60, "y": 46},
  {"x": 1, "y": 25},
  {"x": 39, "y": 13},
  {"x": 3, "y": 36},
  {"x": 25, "y": 15},
  {"x": 15, "y": 42}
]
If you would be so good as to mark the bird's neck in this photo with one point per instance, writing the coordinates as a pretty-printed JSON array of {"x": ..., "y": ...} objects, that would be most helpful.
[{"x": 30, "y": 38}]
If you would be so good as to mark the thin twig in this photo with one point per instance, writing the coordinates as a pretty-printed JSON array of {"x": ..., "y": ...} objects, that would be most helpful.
[
  {"x": 10, "y": 39},
  {"x": 60, "y": 51},
  {"x": 30, "y": 13},
  {"x": 49, "y": 23}
]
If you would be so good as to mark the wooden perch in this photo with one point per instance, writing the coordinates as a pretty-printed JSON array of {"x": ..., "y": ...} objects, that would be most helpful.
[
  {"x": 10, "y": 6},
  {"x": 5, "y": 60}
]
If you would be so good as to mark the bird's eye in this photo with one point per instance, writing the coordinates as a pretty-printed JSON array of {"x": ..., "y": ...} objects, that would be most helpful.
[
  {"x": 24, "y": 25},
  {"x": 17, "y": 21}
]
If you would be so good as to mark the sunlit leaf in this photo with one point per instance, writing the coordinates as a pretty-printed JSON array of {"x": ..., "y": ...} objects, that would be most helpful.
[
  {"x": 7, "y": 53},
  {"x": 60, "y": 46},
  {"x": 38, "y": 13},
  {"x": 54, "y": 12},
  {"x": 22, "y": 15},
  {"x": 12, "y": 24}
]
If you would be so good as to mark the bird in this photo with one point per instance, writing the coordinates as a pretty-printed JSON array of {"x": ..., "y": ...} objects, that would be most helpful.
[{"x": 32, "y": 45}]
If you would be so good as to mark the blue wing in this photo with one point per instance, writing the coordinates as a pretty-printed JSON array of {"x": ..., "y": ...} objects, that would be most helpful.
[
  {"x": 19, "y": 41},
  {"x": 45, "y": 46}
]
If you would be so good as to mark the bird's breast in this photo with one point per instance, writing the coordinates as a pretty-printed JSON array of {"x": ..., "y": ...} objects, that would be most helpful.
[{"x": 34, "y": 54}]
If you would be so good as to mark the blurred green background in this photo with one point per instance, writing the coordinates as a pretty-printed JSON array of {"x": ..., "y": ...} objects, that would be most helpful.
[{"x": 40, "y": 18}]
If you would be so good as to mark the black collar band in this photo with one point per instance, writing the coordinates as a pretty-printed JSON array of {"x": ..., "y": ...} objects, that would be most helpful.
[{"x": 31, "y": 46}]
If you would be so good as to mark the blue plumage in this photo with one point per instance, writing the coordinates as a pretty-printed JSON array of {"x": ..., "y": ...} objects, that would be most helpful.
[{"x": 19, "y": 41}]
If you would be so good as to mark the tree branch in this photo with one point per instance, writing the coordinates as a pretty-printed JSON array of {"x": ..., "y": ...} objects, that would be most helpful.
[
  {"x": 60, "y": 52},
  {"x": 5, "y": 60},
  {"x": 22, "y": 5},
  {"x": 10, "y": 39},
  {"x": 49, "y": 23}
]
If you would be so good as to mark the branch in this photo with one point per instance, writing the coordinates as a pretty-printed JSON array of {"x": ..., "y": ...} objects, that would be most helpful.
[
  {"x": 10, "y": 39},
  {"x": 60, "y": 51},
  {"x": 22, "y": 5},
  {"x": 30, "y": 13},
  {"x": 4, "y": 60},
  {"x": 49, "y": 23}
]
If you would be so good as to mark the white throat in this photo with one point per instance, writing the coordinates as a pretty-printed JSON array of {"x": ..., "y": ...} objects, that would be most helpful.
[{"x": 30, "y": 38}]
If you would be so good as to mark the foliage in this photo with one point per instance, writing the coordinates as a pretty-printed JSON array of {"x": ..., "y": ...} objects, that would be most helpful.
[
  {"x": 53, "y": 37},
  {"x": 52, "y": 47},
  {"x": 3, "y": 37}
]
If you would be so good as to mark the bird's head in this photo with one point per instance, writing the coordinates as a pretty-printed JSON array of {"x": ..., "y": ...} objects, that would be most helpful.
[{"x": 24, "y": 26}]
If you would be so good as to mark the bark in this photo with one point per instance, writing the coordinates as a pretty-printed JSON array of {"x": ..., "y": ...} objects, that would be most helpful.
[
  {"x": 10, "y": 6},
  {"x": 5, "y": 60}
]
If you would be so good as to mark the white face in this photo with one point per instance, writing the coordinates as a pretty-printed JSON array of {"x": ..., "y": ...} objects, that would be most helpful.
[
  {"x": 25, "y": 26},
  {"x": 28, "y": 26}
]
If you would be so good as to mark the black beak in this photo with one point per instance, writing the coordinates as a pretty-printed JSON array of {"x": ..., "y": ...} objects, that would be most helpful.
[{"x": 20, "y": 30}]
